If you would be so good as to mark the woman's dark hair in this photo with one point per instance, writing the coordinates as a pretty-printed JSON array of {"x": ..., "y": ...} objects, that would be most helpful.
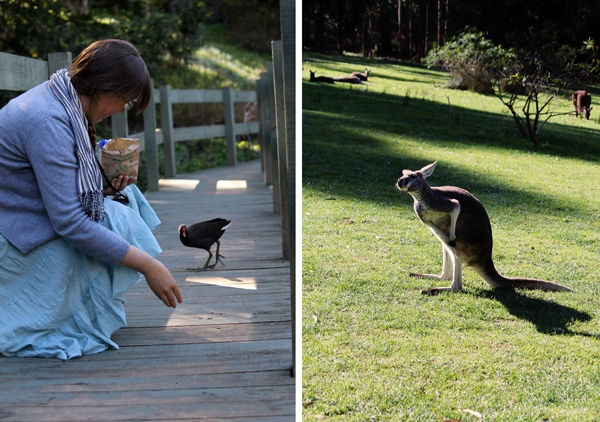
[{"x": 112, "y": 67}]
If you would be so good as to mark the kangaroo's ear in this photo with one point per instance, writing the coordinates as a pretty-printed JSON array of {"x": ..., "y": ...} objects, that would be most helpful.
[
  {"x": 428, "y": 169},
  {"x": 406, "y": 172}
]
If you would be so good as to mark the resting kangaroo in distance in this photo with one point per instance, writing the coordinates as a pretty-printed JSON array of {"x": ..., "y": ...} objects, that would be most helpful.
[
  {"x": 362, "y": 76},
  {"x": 461, "y": 223},
  {"x": 349, "y": 79},
  {"x": 325, "y": 79}
]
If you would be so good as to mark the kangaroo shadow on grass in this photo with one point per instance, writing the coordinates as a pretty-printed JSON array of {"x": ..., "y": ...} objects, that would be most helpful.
[{"x": 548, "y": 316}]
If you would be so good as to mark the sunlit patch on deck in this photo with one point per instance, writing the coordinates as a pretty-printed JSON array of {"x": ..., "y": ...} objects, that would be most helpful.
[
  {"x": 231, "y": 184},
  {"x": 178, "y": 184},
  {"x": 245, "y": 283}
]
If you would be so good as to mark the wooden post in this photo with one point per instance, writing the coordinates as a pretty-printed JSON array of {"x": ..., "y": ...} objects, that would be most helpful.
[
  {"x": 265, "y": 128},
  {"x": 273, "y": 139},
  {"x": 166, "y": 118},
  {"x": 150, "y": 142},
  {"x": 288, "y": 37},
  {"x": 260, "y": 125},
  {"x": 21, "y": 73},
  {"x": 119, "y": 125},
  {"x": 58, "y": 61},
  {"x": 229, "y": 126},
  {"x": 281, "y": 147}
]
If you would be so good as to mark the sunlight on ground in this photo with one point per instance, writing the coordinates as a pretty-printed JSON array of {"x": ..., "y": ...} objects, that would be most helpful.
[
  {"x": 231, "y": 184},
  {"x": 213, "y": 60},
  {"x": 180, "y": 184},
  {"x": 245, "y": 283}
]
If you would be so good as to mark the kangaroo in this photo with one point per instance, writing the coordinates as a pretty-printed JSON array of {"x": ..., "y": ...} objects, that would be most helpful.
[
  {"x": 582, "y": 102},
  {"x": 325, "y": 79},
  {"x": 461, "y": 223},
  {"x": 348, "y": 79},
  {"x": 362, "y": 76}
]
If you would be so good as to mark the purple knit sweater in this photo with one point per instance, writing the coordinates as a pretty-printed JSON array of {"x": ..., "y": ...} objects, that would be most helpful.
[{"x": 38, "y": 192}]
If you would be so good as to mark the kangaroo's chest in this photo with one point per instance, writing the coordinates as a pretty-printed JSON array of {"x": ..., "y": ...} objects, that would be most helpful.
[{"x": 427, "y": 215}]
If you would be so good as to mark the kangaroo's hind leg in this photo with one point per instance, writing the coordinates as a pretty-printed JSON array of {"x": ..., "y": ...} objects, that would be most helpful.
[{"x": 451, "y": 270}]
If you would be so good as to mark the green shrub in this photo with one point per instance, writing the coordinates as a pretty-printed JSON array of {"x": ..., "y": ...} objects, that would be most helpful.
[{"x": 467, "y": 58}]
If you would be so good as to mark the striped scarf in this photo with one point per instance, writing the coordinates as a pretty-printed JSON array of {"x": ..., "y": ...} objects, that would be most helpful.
[{"x": 89, "y": 180}]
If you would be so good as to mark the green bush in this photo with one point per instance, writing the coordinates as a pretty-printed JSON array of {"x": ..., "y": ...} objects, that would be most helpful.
[{"x": 467, "y": 58}]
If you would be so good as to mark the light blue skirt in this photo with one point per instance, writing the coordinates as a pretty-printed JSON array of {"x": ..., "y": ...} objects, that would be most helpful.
[{"x": 56, "y": 301}]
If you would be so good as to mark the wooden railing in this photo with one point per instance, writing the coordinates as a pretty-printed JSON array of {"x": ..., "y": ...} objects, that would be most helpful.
[{"x": 168, "y": 136}]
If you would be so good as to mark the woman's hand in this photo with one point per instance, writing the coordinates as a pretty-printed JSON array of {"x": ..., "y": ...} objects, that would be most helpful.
[
  {"x": 158, "y": 277},
  {"x": 163, "y": 285},
  {"x": 120, "y": 183}
]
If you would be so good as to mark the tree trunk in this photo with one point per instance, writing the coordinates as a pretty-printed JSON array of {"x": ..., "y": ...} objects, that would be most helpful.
[
  {"x": 400, "y": 36},
  {"x": 426, "y": 46},
  {"x": 446, "y": 22},
  {"x": 439, "y": 24},
  {"x": 410, "y": 47}
]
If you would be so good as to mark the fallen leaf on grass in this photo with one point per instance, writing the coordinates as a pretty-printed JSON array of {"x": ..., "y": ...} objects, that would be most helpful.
[{"x": 474, "y": 413}]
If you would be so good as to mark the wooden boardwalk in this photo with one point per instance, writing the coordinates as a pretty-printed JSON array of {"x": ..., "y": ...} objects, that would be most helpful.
[{"x": 224, "y": 354}]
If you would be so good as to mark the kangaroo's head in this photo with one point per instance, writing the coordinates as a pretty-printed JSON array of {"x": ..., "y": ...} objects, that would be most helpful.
[
  {"x": 312, "y": 74},
  {"x": 414, "y": 181}
]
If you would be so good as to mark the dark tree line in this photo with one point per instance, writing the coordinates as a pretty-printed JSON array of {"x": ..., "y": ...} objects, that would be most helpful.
[{"x": 408, "y": 29}]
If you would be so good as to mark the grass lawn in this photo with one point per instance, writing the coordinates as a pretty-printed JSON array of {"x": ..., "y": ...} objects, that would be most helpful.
[{"x": 373, "y": 347}]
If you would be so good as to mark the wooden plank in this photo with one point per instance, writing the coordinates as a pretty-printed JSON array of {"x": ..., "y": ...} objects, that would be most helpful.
[
  {"x": 246, "y": 128},
  {"x": 230, "y": 137},
  {"x": 21, "y": 73},
  {"x": 62, "y": 378},
  {"x": 281, "y": 146},
  {"x": 288, "y": 37},
  {"x": 244, "y": 96},
  {"x": 166, "y": 118},
  {"x": 257, "y": 409},
  {"x": 196, "y": 96},
  {"x": 181, "y": 396},
  {"x": 140, "y": 336},
  {"x": 198, "y": 132},
  {"x": 58, "y": 61}
]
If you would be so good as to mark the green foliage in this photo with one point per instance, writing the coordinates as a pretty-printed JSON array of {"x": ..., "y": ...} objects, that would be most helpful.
[
  {"x": 373, "y": 347},
  {"x": 526, "y": 81},
  {"x": 468, "y": 58},
  {"x": 34, "y": 29}
]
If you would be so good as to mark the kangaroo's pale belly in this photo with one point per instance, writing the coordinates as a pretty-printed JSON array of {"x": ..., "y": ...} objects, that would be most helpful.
[{"x": 440, "y": 219}]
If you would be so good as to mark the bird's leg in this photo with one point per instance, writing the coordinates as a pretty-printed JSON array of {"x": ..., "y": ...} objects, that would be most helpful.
[
  {"x": 205, "y": 265},
  {"x": 218, "y": 256},
  {"x": 208, "y": 260}
]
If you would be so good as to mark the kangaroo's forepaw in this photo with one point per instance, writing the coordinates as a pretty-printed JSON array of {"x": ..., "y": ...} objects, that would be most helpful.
[{"x": 452, "y": 243}]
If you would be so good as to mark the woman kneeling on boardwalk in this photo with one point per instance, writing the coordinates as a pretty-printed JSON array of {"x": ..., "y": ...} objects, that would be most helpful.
[{"x": 67, "y": 252}]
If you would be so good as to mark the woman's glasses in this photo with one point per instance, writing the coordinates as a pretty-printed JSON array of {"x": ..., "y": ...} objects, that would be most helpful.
[{"x": 128, "y": 106}]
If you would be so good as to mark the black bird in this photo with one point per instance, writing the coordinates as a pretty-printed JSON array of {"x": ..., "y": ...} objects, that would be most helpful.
[{"x": 203, "y": 235}]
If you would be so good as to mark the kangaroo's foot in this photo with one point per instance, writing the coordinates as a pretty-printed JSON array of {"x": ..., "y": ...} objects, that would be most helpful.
[
  {"x": 430, "y": 276},
  {"x": 435, "y": 290}
]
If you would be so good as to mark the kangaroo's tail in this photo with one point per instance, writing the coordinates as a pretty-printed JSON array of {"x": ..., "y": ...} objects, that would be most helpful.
[{"x": 488, "y": 272}]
